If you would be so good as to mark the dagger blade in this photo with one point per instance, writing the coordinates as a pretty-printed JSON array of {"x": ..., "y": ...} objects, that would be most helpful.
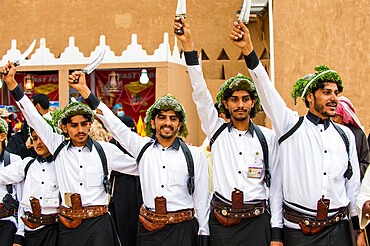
[{"x": 94, "y": 64}]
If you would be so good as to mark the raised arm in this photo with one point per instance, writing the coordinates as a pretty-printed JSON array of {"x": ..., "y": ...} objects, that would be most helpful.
[
  {"x": 202, "y": 97},
  {"x": 129, "y": 140},
  {"x": 34, "y": 119},
  {"x": 281, "y": 116}
]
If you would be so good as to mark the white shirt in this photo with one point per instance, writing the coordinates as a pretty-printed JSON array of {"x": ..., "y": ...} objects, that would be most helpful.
[
  {"x": 79, "y": 169},
  {"x": 163, "y": 171},
  {"x": 234, "y": 152},
  {"x": 16, "y": 187},
  {"x": 40, "y": 182},
  {"x": 363, "y": 197},
  {"x": 313, "y": 159}
]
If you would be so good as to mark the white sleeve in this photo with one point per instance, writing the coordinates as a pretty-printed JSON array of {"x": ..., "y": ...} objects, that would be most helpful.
[
  {"x": 13, "y": 173},
  {"x": 363, "y": 197},
  {"x": 207, "y": 113},
  {"x": 129, "y": 140},
  {"x": 353, "y": 185},
  {"x": 282, "y": 117},
  {"x": 201, "y": 194},
  {"x": 41, "y": 127},
  {"x": 118, "y": 160},
  {"x": 276, "y": 190}
]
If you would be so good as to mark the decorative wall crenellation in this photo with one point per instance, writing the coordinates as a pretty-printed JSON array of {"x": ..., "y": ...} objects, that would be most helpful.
[{"x": 72, "y": 54}]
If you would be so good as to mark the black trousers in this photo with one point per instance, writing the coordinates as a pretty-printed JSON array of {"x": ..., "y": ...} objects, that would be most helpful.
[
  {"x": 180, "y": 234},
  {"x": 46, "y": 236},
  {"x": 98, "y": 231},
  {"x": 7, "y": 233},
  {"x": 125, "y": 207},
  {"x": 249, "y": 232},
  {"x": 335, "y": 235}
]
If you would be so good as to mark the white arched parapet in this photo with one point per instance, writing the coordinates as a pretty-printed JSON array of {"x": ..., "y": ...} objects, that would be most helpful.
[
  {"x": 42, "y": 56},
  {"x": 134, "y": 52},
  {"x": 109, "y": 56},
  {"x": 72, "y": 54},
  {"x": 11, "y": 54}
]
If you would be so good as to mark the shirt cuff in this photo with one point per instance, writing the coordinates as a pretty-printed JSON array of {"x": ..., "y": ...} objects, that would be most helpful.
[
  {"x": 277, "y": 234},
  {"x": 355, "y": 223},
  {"x": 18, "y": 239},
  {"x": 17, "y": 93},
  {"x": 191, "y": 58},
  {"x": 252, "y": 60},
  {"x": 92, "y": 101}
]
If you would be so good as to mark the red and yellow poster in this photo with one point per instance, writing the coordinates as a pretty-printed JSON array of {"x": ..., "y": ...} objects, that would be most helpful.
[{"x": 123, "y": 86}]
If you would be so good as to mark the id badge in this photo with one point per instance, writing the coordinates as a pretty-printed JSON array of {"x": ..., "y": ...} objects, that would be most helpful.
[
  {"x": 255, "y": 172},
  {"x": 51, "y": 202}
]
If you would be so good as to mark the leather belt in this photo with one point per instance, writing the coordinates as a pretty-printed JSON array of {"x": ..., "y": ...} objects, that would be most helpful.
[
  {"x": 44, "y": 219},
  {"x": 248, "y": 210},
  {"x": 168, "y": 218},
  {"x": 5, "y": 213},
  {"x": 296, "y": 217},
  {"x": 84, "y": 213}
]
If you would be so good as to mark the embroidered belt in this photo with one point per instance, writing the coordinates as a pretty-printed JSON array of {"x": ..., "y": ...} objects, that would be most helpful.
[
  {"x": 5, "y": 213},
  {"x": 153, "y": 221},
  {"x": 248, "y": 210},
  {"x": 311, "y": 222},
  {"x": 168, "y": 218},
  {"x": 44, "y": 219},
  {"x": 84, "y": 213}
]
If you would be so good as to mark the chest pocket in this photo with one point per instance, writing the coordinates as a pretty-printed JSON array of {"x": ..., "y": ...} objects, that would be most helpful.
[
  {"x": 94, "y": 176},
  {"x": 339, "y": 165},
  {"x": 178, "y": 178}
]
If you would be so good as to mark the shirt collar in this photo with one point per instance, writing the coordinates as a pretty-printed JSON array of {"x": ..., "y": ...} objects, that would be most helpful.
[
  {"x": 250, "y": 129},
  {"x": 47, "y": 159},
  {"x": 317, "y": 120},
  {"x": 88, "y": 144},
  {"x": 175, "y": 144}
]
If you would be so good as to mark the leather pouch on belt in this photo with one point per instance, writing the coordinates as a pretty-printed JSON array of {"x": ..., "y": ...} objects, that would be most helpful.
[
  {"x": 36, "y": 211},
  {"x": 76, "y": 205},
  {"x": 236, "y": 203},
  {"x": 322, "y": 214},
  {"x": 160, "y": 208}
]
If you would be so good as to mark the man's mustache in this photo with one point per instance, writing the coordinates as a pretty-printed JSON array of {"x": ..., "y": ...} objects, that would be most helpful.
[
  {"x": 167, "y": 126},
  {"x": 80, "y": 133}
]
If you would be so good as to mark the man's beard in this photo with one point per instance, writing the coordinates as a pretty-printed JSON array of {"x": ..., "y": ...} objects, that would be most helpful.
[
  {"x": 239, "y": 118},
  {"x": 174, "y": 133},
  {"x": 320, "y": 109}
]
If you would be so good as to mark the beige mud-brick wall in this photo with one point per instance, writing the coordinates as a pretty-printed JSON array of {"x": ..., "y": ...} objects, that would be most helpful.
[{"x": 331, "y": 32}]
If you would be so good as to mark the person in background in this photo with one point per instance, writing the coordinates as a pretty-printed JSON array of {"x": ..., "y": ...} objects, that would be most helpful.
[
  {"x": 41, "y": 102},
  {"x": 346, "y": 115},
  {"x": 126, "y": 197},
  {"x": 20, "y": 143},
  {"x": 8, "y": 193},
  {"x": 7, "y": 117},
  {"x": 118, "y": 110}
]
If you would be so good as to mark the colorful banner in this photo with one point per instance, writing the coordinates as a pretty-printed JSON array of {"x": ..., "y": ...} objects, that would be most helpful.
[{"x": 123, "y": 86}]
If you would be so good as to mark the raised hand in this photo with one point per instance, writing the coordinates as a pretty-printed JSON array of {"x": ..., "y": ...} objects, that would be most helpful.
[
  {"x": 241, "y": 31},
  {"x": 8, "y": 73},
  {"x": 81, "y": 86},
  {"x": 185, "y": 38}
]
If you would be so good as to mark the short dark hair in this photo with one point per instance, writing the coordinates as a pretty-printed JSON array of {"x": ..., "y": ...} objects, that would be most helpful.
[
  {"x": 157, "y": 111},
  {"x": 41, "y": 99},
  {"x": 228, "y": 93},
  {"x": 321, "y": 85}
]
